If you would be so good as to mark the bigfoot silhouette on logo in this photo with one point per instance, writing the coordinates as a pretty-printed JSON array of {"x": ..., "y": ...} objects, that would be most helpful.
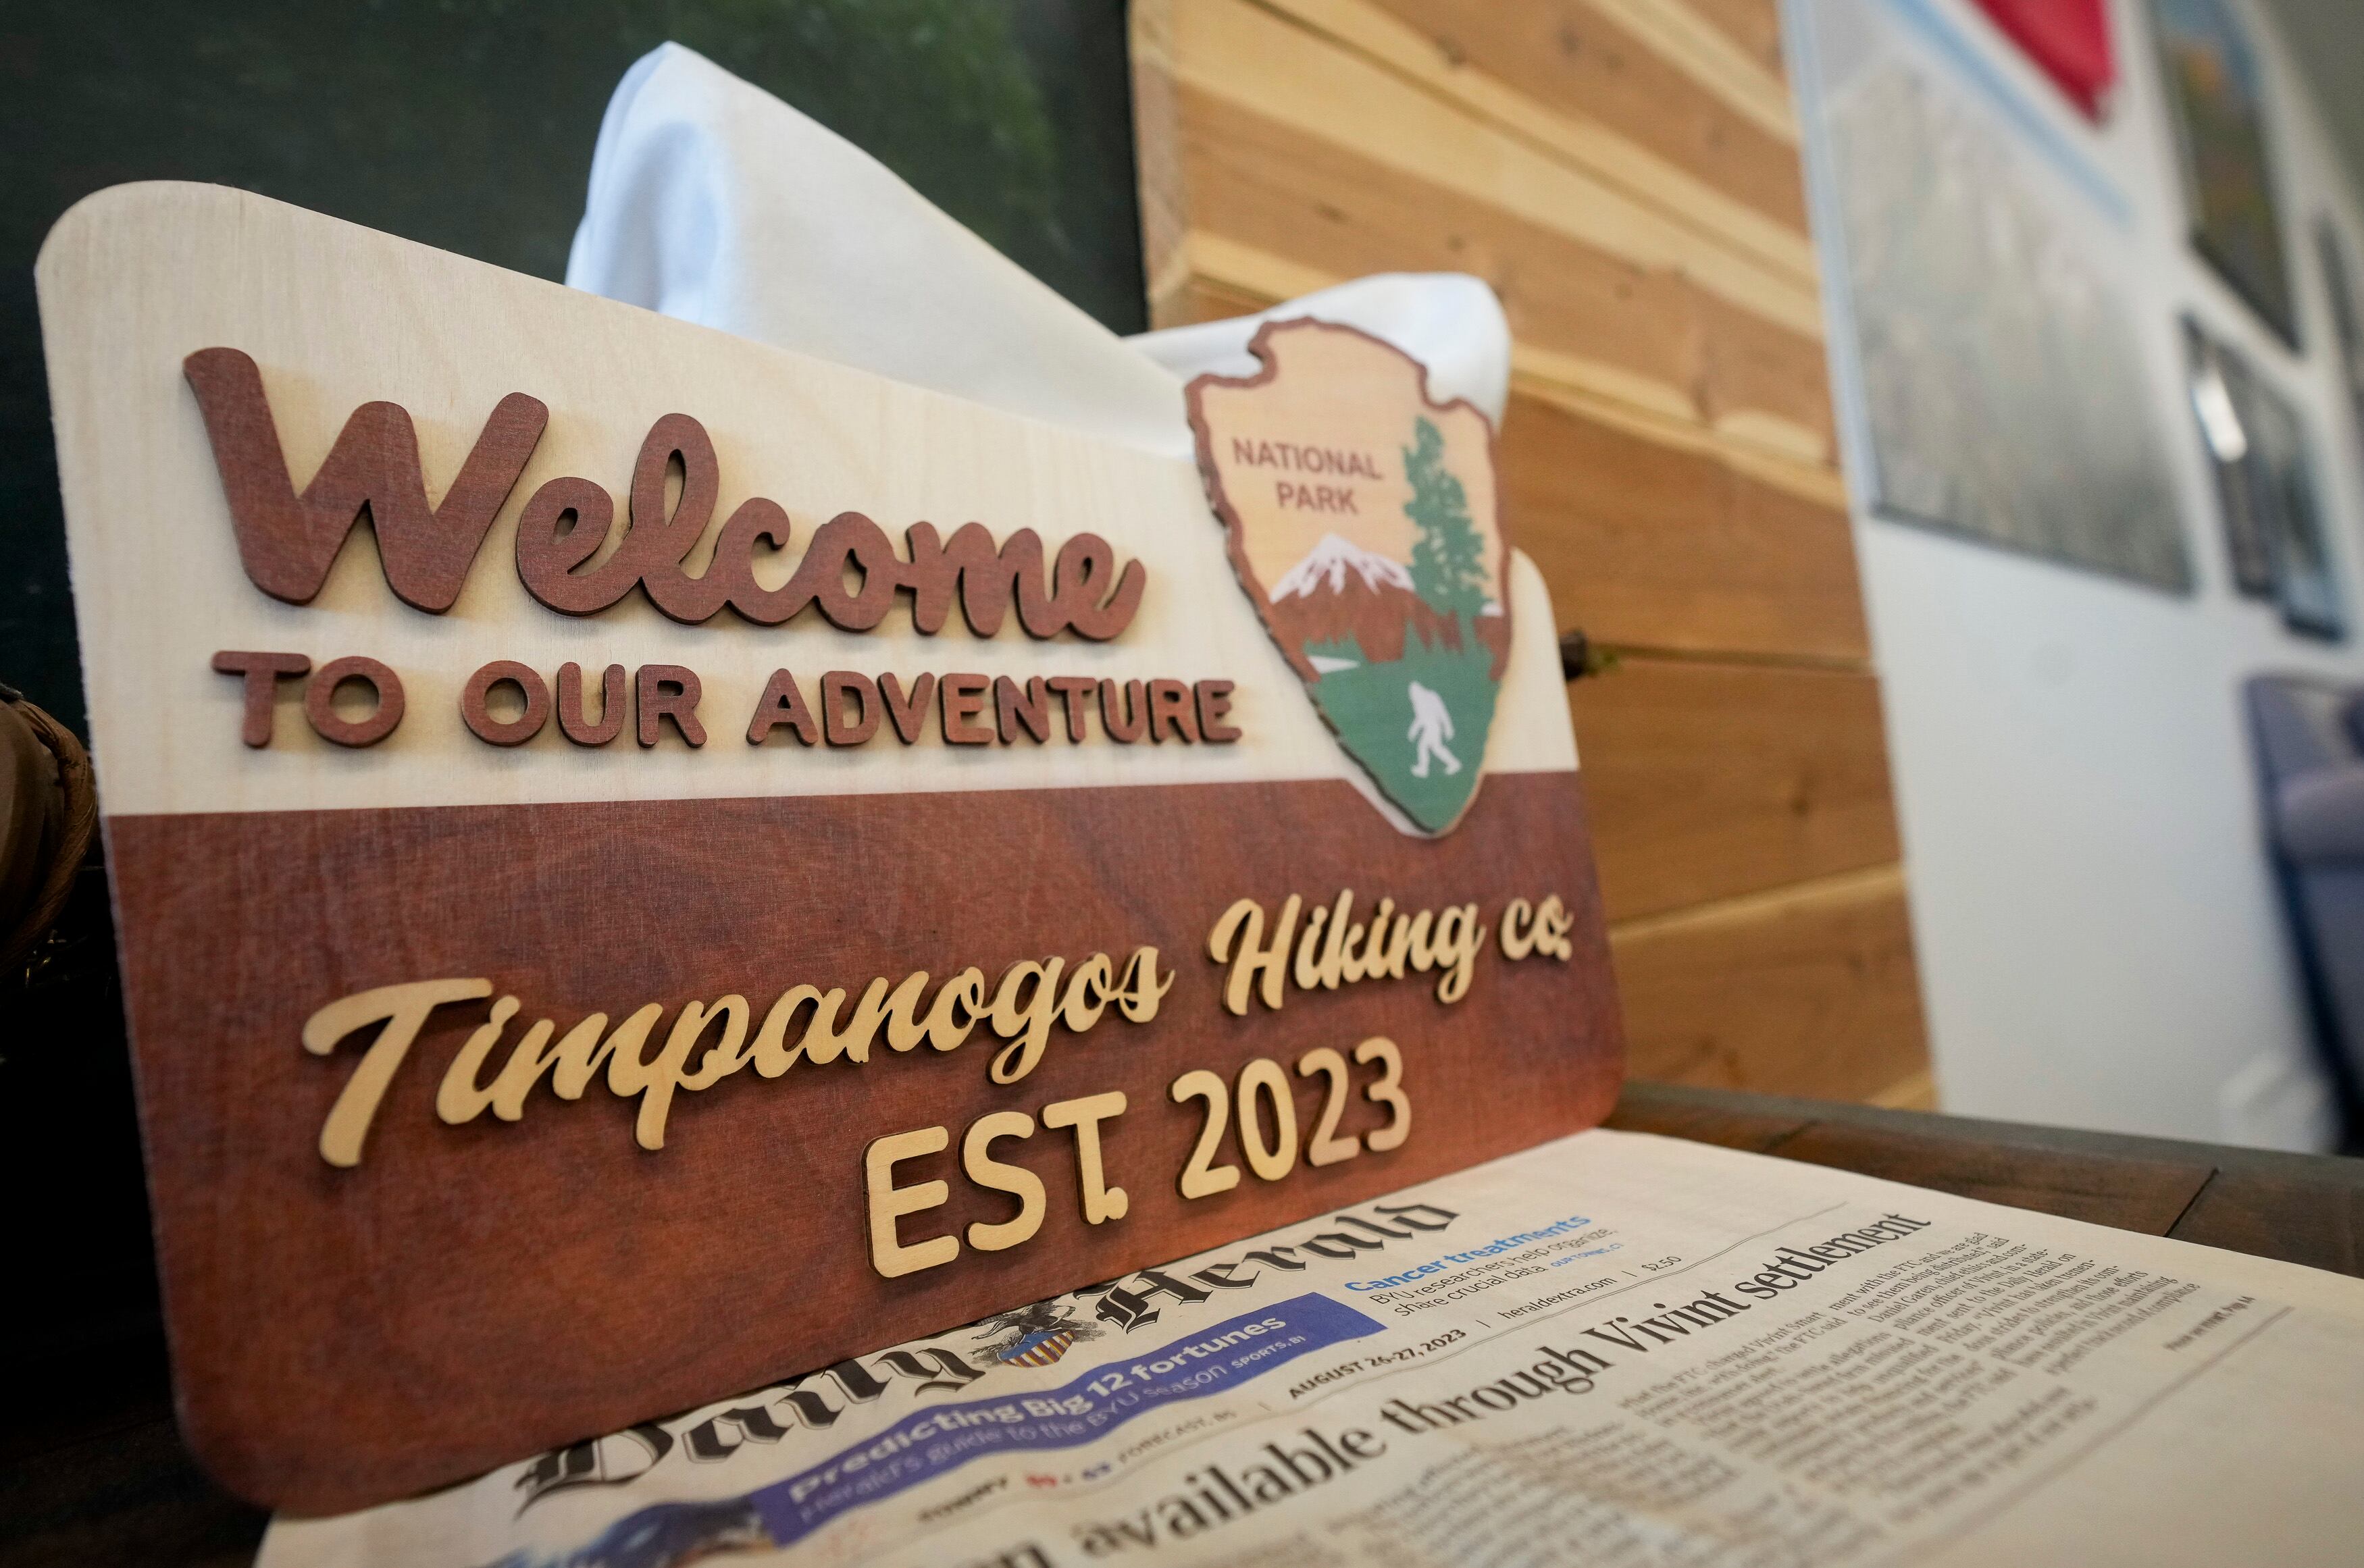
[{"x": 1432, "y": 727}]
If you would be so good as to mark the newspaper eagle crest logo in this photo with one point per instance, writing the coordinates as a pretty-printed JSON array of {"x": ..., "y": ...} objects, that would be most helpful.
[
  {"x": 1033, "y": 1336},
  {"x": 1362, "y": 523}
]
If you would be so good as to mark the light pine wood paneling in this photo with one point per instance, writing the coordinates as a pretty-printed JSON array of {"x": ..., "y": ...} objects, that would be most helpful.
[
  {"x": 1157, "y": 161},
  {"x": 1648, "y": 332},
  {"x": 1566, "y": 126},
  {"x": 1213, "y": 278},
  {"x": 1264, "y": 61},
  {"x": 1708, "y": 781},
  {"x": 1808, "y": 991},
  {"x": 1201, "y": 299},
  {"x": 1648, "y": 545},
  {"x": 1624, "y": 173},
  {"x": 1579, "y": 61},
  {"x": 1754, "y": 25},
  {"x": 1683, "y": 36}
]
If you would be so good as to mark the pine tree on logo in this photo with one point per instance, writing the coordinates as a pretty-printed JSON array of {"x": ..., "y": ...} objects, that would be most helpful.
[{"x": 1448, "y": 563}]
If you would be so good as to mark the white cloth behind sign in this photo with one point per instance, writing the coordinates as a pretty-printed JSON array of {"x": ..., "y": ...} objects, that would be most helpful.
[
  {"x": 712, "y": 201},
  {"x": 1450, "y": 322}
]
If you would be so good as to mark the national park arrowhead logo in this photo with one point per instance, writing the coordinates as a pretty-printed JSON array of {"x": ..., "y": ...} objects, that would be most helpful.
[{"x": 1362, "y": 523}]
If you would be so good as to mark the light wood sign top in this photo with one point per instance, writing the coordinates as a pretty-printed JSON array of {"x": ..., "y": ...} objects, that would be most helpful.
[{"x": 740, "y": 860}]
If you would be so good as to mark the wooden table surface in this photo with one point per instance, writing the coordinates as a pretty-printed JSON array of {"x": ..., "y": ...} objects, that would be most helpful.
[
  {"x": 2303, "y": 1209},
  {"x": 108, "y": 1481}
]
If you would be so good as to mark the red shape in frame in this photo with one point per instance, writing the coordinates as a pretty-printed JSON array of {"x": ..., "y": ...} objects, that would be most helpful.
[{"x": 2068, "y": 39}]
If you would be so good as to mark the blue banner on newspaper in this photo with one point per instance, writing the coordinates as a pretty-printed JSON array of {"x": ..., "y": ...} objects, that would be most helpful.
[{"x": 930, "y": 1442}]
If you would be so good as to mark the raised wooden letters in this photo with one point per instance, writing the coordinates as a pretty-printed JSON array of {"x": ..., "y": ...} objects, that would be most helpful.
[
  {"x": 288, "y": 541},
  {"x": 320, "y": 700},
  {"x": 262, "y": 673}
]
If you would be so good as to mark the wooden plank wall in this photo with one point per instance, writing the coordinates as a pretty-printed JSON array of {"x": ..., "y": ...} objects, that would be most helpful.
[{"x": 1625, "y": 174}]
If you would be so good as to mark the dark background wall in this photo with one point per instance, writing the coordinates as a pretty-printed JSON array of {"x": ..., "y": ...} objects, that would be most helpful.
[{"x": 468, "y": 125}]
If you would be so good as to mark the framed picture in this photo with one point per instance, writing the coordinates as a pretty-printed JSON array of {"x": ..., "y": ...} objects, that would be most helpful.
[
  {"x": 2003, "y": 386},
  {"x": 2273, "y": 523},
  {"x": 2347, "y": 320},
  {"x": 2214, "y": 372},
  {"x": 2215, "y": 94},
  {"x": 2306, "y": 582}
]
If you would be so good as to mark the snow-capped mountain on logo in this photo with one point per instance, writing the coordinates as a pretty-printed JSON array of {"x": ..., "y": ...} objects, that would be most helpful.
[
  {"x": 1341, "y": 599},
  {"x": 1333, "y": 559},
  {"x": 1341, "y": 593}
]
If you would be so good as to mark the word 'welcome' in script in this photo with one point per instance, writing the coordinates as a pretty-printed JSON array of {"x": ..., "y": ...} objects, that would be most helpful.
[{"x": 288, "y": 541}]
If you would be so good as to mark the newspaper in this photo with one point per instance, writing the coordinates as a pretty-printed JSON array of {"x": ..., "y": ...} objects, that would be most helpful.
[{"x": 1612, "y": 1349}]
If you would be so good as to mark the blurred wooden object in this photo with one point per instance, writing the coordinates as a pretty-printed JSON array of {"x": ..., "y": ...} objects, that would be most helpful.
[
  {"x": 1625, "y": 174},
  {"x": 49, "y": 810}
]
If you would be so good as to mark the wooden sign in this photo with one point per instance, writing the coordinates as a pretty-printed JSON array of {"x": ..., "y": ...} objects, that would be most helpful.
[{"x": 741, "y": 860}]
